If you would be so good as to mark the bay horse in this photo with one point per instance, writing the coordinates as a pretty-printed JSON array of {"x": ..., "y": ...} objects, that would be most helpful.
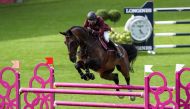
[{"x": 93, "y": 56}]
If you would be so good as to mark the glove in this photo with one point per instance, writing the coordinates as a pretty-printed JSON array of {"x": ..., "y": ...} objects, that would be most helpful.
[{"x": 90, "y": 30}]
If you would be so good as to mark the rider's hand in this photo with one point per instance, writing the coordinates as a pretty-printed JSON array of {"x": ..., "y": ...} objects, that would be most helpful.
[{"x": 88, "y": 28}]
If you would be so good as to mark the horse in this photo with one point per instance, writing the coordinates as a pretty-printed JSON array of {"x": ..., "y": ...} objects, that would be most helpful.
[{"x": 93, "y": 56}]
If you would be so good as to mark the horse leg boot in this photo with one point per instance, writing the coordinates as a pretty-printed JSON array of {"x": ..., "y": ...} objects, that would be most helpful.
[
  {"x": 132, "y": 98},
  {"x": 78, "y": 66},
  {"x": 127, "y": 79},
  {"x": 116, "y": 80},
  {"x": 88, "y": 74},
  {"x": 116, "y": 47}
]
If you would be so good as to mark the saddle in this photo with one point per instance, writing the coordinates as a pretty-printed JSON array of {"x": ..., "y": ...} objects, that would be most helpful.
[
  {"x": 107, "y": 46},
  {"x": 103, "y": 43}
]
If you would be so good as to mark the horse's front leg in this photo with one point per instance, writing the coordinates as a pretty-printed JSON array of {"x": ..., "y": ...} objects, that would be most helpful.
[
  {"x": 80, "y": 65},
  {"x": 87, "y": 70}
]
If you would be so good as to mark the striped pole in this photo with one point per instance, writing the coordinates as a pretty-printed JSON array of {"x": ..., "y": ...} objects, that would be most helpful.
[
  {"x": 171, "y": 22},
  {"x": 171, "y": 34},
  {"x": 105, "y": 86},
  {"x": 172, "y": 9},
  {"x": 103, "y": 105},
  {"x": 172, "y": 46},
  {"x": 84, "y": 92}
]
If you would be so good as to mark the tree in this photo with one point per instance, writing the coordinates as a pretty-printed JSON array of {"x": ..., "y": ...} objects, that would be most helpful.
[
  {"x": 114, "y": 15},
  {"x": 103, "y": 13}
]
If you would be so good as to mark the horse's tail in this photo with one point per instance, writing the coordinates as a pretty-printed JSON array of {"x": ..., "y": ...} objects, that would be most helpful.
[{"x": 132, "y": 53}]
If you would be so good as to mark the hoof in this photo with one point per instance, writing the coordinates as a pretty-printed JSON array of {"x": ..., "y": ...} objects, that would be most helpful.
[
  {"x": 121, "y": 97},
  {"x": 90, "y": 76},
  {"x": 85, "y": 77},
  {"x": 132, "y": 98},
  {"x": 117, "y": 90}
]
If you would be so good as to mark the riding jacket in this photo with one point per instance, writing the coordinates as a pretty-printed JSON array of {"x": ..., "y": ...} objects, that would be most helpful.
[{"x": 99, "y": 27}]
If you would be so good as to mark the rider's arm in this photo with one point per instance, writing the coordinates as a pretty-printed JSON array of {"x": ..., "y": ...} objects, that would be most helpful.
[
  {"x": 102, "y": 28},
  {"x": 86, "y": 24}
]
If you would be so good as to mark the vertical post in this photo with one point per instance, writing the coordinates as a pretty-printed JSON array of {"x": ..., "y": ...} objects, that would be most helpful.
[
  {"x": 52, "y": 86},
  {"x": 177, "y": 88},
  {"x": 146, "y": 92},
  {"x": 18, "y": 97},
  {"x": 15, "y": 69}
]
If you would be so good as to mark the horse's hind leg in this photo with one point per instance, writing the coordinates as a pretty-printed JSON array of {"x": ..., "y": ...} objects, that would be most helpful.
[
  {"x": 125, "y": 72},
  {"x": 108, "y": 75}
]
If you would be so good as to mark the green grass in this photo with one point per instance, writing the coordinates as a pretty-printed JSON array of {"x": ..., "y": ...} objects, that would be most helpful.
[{"x": 30, "y": 31}]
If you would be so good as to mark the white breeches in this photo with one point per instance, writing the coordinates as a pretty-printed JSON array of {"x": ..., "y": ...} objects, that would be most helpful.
[{"x": 106, "y": 36}]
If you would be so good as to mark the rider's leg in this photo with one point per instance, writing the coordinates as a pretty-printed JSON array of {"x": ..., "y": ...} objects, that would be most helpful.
[
  {"x": 118, "y": 50},
  {"x": 106, "y": 36},
  {"x": 116, "y": 47}
]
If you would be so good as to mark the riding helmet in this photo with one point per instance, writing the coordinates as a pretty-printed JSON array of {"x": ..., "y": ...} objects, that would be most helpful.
[{"x": 91, "y": 16}]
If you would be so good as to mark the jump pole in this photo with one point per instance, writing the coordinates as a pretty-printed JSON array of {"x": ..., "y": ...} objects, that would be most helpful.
[
  {"x": 82, "y": 92},
  {"x": 147, "y": 92},
  {"x": 105, "y": 86}
]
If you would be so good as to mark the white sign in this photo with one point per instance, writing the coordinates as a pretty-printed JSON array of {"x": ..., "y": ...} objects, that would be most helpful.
[
  {"x": 179, "y": 67},
  {"x": 147, "y": 68}
]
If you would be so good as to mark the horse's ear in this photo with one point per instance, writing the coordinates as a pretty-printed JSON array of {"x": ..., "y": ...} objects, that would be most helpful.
[
  {"x": 63, "y": 33},
  {"x": 68, "y": 33}
]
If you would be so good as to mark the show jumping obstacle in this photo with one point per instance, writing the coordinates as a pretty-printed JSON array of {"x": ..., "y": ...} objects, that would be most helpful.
[
  {"x": 148, "y": 44},
  {"x": 175, "y": 9},
  {"x": 45, "y": 97}
]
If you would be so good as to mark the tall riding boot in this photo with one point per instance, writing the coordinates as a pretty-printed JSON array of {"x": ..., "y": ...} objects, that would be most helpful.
[
  {"x": 116, "y": 47},
  {"x": 119, "y": 54}
]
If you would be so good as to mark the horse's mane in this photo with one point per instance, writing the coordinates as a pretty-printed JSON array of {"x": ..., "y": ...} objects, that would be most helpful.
[
  {"x": 77, "y": 27},
  {"x": 69, "y": 31}
]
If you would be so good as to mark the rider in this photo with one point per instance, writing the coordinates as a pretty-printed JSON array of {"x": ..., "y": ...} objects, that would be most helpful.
[{"x": 99, "y": 28}]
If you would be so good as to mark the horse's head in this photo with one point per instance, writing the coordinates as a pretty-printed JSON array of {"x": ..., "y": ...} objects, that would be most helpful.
[
  {"x": 74, "y": 37},
  {"x": 72, "y": 44}
]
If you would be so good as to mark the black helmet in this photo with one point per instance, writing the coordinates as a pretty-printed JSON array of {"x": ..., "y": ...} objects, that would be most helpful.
[{"x": 91, "y": 16}]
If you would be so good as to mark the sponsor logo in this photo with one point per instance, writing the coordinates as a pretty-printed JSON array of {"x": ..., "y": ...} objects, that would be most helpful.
[
  {"x": 144, "y": 47},
  {"x": 138, "y": 10}
]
